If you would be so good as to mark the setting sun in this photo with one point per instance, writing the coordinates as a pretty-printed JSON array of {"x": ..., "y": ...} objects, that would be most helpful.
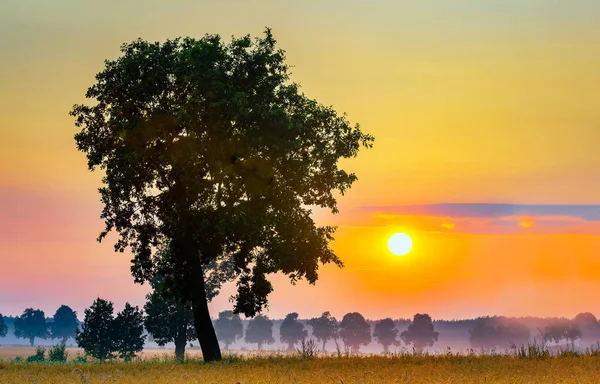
[{"x": 400, "y": 244}]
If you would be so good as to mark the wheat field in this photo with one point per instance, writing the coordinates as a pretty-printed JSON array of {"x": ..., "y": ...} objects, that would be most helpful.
[{"x": 342, "y": 370}]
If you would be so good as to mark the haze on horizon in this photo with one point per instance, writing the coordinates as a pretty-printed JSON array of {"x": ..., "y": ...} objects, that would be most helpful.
[{"x": 492, "y": 102}]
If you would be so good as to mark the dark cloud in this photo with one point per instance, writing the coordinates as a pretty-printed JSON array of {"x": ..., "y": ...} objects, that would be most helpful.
[{"x": 482, "y": 210}]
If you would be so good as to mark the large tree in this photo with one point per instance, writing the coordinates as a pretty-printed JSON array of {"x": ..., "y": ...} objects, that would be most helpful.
[
  {"x": 324, "y": 328},
  {"x": 31, "y": 325},
  {"x": 385, "y": 332},
  {"x": 292, "y": 331},
  {"x": 229, "y": 327},
  {"x": 96, "y": 336},
  {"x": 210, "y": 148},
  {"x": 355, "y": 331},
  {"x": 64, "y": 324},
  {"x": 259, "y": 331},
  {"x": 127, "y": 332},
  {"x": 420, "y": 332}
]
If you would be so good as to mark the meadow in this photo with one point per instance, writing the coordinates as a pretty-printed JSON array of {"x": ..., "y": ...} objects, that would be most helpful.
[{"x": 343, "y": 369}]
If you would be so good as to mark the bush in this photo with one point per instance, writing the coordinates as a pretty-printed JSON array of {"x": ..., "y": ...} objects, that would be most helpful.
[
  {"x": 38, "y": 357},
  {"x": 57, "y": 353},
  {"x": 80, "y": 359}
]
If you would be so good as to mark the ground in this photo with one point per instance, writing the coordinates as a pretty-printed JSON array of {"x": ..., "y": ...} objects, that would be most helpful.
[{"x": 342, "y": 370}]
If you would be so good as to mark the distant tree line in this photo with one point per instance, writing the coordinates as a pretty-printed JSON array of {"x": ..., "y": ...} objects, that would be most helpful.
[{"x": 103, "y": 335}]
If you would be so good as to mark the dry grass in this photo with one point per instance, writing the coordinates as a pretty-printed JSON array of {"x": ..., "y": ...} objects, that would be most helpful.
[{"x": 277, "y": 369}]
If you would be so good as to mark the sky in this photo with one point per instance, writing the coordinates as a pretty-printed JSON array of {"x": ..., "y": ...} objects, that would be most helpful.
[{"x": 486, "y": 120}]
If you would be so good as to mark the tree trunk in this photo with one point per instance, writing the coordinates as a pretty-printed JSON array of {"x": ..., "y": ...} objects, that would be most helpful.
[
  {"x": 32, "y": 340},
  {"x": 202, "y": 321},
  {"x": 324, "y": 342},
  {"x": 180, "y": 342}
]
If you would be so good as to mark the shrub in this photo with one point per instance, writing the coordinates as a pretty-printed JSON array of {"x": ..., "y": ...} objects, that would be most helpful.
[
  {"x": 38, "y": 357},
  {"x": 57, "y": 353}
]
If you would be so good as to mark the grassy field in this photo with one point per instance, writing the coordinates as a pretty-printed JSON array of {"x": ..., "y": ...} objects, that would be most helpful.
[{"x": 344, "y": 370}]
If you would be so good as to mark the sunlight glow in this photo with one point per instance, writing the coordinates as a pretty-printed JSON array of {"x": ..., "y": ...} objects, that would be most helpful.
[{"x": 400, "y": 244}]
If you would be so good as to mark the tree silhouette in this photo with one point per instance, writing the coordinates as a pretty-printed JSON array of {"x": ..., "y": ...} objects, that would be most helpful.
[
  {"x": 259, "y": 331},
  {"x": 96, "y": 337},
  {"x": 168, "y": 321},
  {"x": 229, "y": 327},
  {"x": 64, "y": 324},
  {"x": 561, "y": 329},
  {"x": 324, "y": 328},
  {"x": 3, "y": 327},
  {"x": 31, "y": 324},
  {"x": 292, "y": 331},
  {"x": 127, "y": 332},
  {"x": 385, "y": 332},
  {"x": 209, "y": 149},
  {"x": 588, "y": 324},
  {"x": 355, "y": 331},
  {"x": 420, "y": 332}
]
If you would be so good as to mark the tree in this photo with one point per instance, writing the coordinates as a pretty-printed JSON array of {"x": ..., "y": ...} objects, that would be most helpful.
[
  {"x": 229, "y": 327},
  {"x": 31, "y": 324},
  {"x": 3, "y": 327},
  {"x": 95, "y": 336},
  {"x": 588, "y": 324},
  {"x": 259, "y": 331},
  {"x": 420, "y": 332},
  {"x": 385, "y": 332},
  {"x": 292, "y": 331},
  {"x": 168, "y": 321},
  {"x": 562, "y": 329},
  {"x": 324, "y": 328},
  {"x": 64, "y": 324},
  {"x": 127, "y": 332},
  {"x": 355, "y": 331},
  {"x": 210, "y": 151}
]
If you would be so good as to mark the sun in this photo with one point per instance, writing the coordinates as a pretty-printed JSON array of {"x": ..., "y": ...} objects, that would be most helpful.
[{"x": 400, "y": 244}]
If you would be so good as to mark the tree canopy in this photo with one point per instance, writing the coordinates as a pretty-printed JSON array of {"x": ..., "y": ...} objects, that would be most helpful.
[
  {"x": 324, "y": 328},
  {"x": 292, "y": 331},
  {"x": 229, "y": 327},
  {"x": 210, "y": 150},
  {"x": 95, "y": 336},
  {"x": 64, "y": 324},
  {"x": 259, "y": 331},
  {"x": 31, "y": 325},
  {"x": 355, "y": 331},
  {"x": 3, "y": 327},
  {"x": 420, "y": 332},
  {"x": 127, "y": 332},
  {"x": 385, "y": 332}
]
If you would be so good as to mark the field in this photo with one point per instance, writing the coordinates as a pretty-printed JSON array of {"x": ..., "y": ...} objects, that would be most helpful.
[{"x": 342, "y": 370}]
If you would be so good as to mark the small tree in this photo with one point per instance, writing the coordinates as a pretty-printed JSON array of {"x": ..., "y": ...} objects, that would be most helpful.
[
  {"x": 385, "y": 332},
  {"x": 259, "y": 331},
  {"x": 355, "y": 331},
  {"x": 3, "y": 327},
  {"x": 31, "y": 324},
  {"x": 95, "y": 336},
  {"x": 64, "y": 324},
  {"x": 128, "y": 332},
  {"x": 229, "y": 327},
  {"x": 420, "y": 333},
  {"x": 292, "y": 331},
  {"x": 324, "y": 328},
  {"x": 168, "y": 321}
]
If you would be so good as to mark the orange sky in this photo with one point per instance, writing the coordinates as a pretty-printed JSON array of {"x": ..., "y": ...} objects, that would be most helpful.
[{"x": 470, "y": 102}]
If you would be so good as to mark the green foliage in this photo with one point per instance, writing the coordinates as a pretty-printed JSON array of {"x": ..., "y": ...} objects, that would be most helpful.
[
  {"x": 385, "y": 332},
  {"x": 355, "y": 331},
  {"x": 57, "y": 353},
  {"x": 127, "y": 332},
  {"x": 3, "y": 327},
  {"x": 210, "y": 152},
  {"x": 324, "y": 328},
  {"x": 229, "y": 327},
  {"x": 420, "y": 332},
  {"x": 292, "y": 331},
  {"x": 31, "y": 325},
  {"x": 64, "y": 324},
  {"x": 38, "y": 357},
  {"x": 95, "y": 336},
  {"x": 259, "y": 331}
]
